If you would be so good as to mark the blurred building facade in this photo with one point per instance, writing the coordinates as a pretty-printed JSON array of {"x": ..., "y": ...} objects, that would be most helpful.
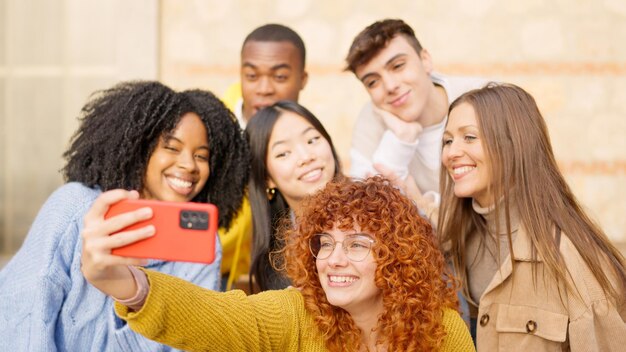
[{"x": 53, "y": 53}]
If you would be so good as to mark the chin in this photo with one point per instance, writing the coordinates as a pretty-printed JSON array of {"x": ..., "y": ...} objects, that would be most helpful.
[
  {"x": 337, "y": 302},
  {"x": 462, "y": 194}
]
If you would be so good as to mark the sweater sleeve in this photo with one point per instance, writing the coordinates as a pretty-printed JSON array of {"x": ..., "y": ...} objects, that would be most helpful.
[
  {"x": 366, "y": 136},
  {"x": 596, "y": 323},
  {"x": 600, "y": 328},
  {"x": 35, "y": 283},
  {"x": 457, "y": 338},
  {"x": 188, "y": 317}
]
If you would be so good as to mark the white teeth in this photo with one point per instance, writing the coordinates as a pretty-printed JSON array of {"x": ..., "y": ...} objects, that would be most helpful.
[
  {"x": 342, "y": 278},
  {"x": 464, "y": 169},
  {"x": 177, "y": 182},
  {"x": 311, "y": 174}
]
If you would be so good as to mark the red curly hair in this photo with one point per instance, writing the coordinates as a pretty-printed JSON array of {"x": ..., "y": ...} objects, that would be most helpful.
[{"x": 411, "y": 272}]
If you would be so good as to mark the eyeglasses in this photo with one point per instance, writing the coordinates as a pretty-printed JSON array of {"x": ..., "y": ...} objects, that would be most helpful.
[{"x": 356, "y": 246}]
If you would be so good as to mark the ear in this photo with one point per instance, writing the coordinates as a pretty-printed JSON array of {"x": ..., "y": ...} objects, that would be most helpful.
[
  {"x": 427, "y": 61},
  {"x": 305, "y": 79}
]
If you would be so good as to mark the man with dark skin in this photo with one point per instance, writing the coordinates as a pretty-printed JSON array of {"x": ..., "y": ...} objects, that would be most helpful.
[{"x": 272, "y": 69}]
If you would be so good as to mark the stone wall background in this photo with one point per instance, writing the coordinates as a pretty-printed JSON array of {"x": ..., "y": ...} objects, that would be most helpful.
[{"x": 569, "y": 54}]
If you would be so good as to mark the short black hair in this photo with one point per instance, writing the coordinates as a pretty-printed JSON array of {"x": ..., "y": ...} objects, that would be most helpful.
[
  {"x": 273, "y": 32},
  {"x": 120, "y": 127}
]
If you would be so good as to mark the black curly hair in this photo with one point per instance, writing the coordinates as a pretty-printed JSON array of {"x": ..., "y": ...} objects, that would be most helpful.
[{"x": 121, "y": 126}]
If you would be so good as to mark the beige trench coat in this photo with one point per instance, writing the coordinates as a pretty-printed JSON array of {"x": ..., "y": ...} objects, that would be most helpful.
[{"x": 517, "y": 314}]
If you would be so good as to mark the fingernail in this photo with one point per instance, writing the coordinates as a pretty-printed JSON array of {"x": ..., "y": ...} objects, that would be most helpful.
[
  {"x": 145, "y": 212},
  {"x": 149, "y": 230}
]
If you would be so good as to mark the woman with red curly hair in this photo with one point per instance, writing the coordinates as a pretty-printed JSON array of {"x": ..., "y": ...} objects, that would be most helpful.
[{"x": 368, "y": 273}]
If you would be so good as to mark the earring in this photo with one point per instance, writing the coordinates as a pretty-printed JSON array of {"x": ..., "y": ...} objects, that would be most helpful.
[{"x": 270, "y": 193}]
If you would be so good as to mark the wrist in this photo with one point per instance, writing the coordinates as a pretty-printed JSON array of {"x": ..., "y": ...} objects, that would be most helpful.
[
  {"x": 406, "y": 135},
  {"x": 141, "y": 293}
]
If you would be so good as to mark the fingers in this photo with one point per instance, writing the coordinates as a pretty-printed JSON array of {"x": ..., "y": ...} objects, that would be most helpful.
[
  {"x": 405, "y": 130},
  {"x": 97, "y": 249},
  {"x": 122, "y": 239},
  {"x": 100, "y": 236},
  {"x": 105, "y": 227},
  {"x": 387, "y": 172},
  {"x": 105, "y": 200},
  {"x": 94, "y": 223},
  {"x": 388, "y": 117},
  {"x": 99, "y": 266}
]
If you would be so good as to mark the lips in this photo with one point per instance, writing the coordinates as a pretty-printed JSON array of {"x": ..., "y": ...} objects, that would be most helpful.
[
  {"x": 399, "y": 101},
  {"x": 260, "y": 106}
]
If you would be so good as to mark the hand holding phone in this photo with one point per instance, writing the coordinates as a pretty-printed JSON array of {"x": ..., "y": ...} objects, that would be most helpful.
[{"x": 184, "y": 231}]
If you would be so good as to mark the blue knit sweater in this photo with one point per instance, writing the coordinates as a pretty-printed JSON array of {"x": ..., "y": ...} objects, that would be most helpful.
[{"x": 46, "y": 304}]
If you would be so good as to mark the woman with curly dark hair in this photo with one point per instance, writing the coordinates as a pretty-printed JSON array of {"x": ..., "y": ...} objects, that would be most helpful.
[
  {"x": 367, "y": 271},
  {"x": 142, "y": 136}
]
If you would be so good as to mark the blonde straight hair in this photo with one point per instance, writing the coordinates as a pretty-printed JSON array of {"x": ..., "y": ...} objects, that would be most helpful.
[{"x": 525, "y": 176}]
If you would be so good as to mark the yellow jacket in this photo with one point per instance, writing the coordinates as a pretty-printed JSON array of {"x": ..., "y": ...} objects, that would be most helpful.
[
  {"x": 232, "y": 95},
  {"x": 237, "y": 240},
  {"x": 237, "y": 244},
  {"x": 188, "y": 317}
]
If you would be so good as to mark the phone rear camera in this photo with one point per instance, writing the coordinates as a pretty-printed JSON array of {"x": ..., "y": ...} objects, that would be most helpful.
[{"x": 194, "y": 220}]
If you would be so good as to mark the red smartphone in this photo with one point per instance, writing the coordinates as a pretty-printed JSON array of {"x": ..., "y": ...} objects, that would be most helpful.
[{"x": 184, "y": 231}]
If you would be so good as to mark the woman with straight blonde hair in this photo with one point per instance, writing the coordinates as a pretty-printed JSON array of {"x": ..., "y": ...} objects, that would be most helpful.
[{"x": 537, "y": 271}]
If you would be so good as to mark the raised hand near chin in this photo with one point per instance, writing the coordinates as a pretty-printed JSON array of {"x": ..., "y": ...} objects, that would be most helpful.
[
  {"x": 405, "y": 131},
  {"x": 408, "y": 185}
]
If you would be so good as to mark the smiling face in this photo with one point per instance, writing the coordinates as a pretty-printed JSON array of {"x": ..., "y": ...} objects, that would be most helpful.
[
  {"x": 178, "y": 168},
  {"x": 464, "y": 157},
  {"x": 349, "y": 284},
  {"x": 299, "y": 159},
  {"x": 398, "y": 79},
  {"x": 270, "y": 71}
]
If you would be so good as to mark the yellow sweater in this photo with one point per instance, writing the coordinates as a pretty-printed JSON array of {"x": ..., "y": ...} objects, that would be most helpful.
[{"x": 188, "y": 317}]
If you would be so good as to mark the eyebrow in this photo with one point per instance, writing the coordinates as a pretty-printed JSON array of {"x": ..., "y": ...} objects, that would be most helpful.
[
  {"x": 392, "y": 59},
  {"x": 283, "y": 141},
  {"x": 273, "y": 68},
  {"x": 461, "y": 128}
]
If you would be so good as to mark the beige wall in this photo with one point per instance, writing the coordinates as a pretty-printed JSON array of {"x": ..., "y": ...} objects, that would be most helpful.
[
  {"x": 569, "y": 54},
  {"x": 53, "y": 54}
]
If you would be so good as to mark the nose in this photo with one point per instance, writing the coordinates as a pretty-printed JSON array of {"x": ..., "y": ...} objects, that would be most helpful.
[
  {"x": 187, "y": 161},
  {"x": 338, "y": 257},
  {"x": 451, "y": 151},
  {"x": 390, "y": 83},
  {"x": 265, "y": 87},
  {"x": 305, "y": 156}
]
